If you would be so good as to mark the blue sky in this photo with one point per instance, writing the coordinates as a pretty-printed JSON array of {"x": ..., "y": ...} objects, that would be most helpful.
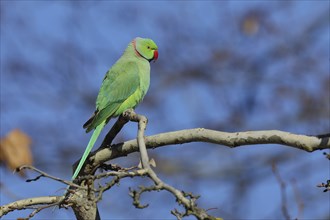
[{"x": 210, "y": 74}]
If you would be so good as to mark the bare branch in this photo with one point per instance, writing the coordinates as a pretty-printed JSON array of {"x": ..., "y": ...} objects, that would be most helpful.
[
  {"x": 185, "y": 199},
  {"x": 232, "y": 140},
  {"x": 116, "y": 128},
  {"x": 84, "y": 197},
  {"x": 31, "y": 203},
  {"x": 43, "y": 174},
  {"x": 118, "y": 175},
  {"x": 142, "y": 125}
]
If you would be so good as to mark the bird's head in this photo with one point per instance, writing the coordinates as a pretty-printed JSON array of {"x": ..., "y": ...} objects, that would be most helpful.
[{"x": 146, "y": 48}]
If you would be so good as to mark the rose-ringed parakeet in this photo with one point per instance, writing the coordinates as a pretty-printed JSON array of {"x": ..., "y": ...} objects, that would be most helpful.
[{"x": 123, "y": 87}]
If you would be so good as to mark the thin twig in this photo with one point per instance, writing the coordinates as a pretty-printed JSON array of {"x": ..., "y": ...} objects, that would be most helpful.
[
  {"x": 117, "y": 177},
  {"x": 38, "y": 209},
  {"x": 44, "y": 174},
  {"x": 298, "y": 199},
  {"x": 285, "y": 210}
]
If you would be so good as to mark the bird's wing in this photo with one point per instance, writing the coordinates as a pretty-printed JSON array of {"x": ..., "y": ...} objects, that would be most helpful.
[{"x": 120, "y": 82}]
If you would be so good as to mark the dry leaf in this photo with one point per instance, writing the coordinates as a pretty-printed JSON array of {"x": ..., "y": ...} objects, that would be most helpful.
[{"x": 15, "y": 150}]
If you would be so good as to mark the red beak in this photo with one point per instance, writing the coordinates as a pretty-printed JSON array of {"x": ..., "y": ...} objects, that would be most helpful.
[{"x": 155, "y": 55}]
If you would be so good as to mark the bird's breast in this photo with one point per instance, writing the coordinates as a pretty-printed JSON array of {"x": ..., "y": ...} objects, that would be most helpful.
[{"x": 133, "y": 100}]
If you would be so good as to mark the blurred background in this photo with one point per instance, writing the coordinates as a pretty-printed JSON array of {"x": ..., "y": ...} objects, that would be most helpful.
[{"x": 223, "y": 65}]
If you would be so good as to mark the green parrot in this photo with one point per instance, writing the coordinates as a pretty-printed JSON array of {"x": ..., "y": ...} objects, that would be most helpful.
[{"x": 123, "y": 87}]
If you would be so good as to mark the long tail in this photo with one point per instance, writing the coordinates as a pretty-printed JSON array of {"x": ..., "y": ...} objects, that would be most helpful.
[{"x": 89, "y": 147}]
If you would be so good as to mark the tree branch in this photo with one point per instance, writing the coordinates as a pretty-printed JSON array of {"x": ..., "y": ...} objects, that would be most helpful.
[
  {"x": 84, "y": 197},
  {"x": 232, "y": 140},
  {"x": 30, "y": 204},
  {"x": 116, "y": 128},
  {"x": 185, "y": 199},
  {"x": 44, "y": 174},
  {"x": 142, "y": 125}
]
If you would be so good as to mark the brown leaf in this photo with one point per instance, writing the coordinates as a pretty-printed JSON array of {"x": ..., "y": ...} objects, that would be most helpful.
[{"x": 15, "y": 150}]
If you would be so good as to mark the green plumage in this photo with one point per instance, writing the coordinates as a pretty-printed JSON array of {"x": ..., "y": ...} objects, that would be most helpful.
[{"x": 124, "y": 86}]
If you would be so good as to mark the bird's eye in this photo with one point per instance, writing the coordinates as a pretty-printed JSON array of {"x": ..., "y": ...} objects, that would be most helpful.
[{"x": 148, "y": 47}]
